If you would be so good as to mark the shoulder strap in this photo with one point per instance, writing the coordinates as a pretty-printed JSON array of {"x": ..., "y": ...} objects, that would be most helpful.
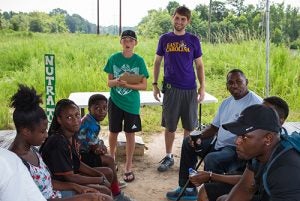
[
  {"x": 291, "y": 140},
  {"x": 288, "y": 142},
  {"x": 25, "y": 163},
  {"x": 265, "y": 174}
]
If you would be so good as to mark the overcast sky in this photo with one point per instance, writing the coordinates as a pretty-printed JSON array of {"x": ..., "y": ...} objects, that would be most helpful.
[{"x": 132, "y": 10}]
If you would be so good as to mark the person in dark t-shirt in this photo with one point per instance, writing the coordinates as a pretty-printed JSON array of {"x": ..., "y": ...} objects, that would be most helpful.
[
  {"x": 258, "y": 139},
  {"x": 61, "y": 153}
]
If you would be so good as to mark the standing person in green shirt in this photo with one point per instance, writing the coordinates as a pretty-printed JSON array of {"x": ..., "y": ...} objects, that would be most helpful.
[{"x": 124, "y": 101}]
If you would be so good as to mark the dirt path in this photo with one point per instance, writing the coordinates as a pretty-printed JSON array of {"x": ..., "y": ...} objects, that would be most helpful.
[{"x": 151, "y": 185}]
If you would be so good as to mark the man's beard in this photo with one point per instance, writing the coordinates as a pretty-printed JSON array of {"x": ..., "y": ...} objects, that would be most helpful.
[{"x": 178, "y": 28}]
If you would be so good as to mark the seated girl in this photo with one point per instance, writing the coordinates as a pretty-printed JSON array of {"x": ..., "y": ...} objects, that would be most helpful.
[
  {"x": 61, "y": 152},
  {"x": 31, "y": 125}
]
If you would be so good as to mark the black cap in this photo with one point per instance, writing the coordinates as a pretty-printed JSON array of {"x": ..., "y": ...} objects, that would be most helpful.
[
  {"x": 128, "y": 33},
  {"x": 254, "y": 117}
]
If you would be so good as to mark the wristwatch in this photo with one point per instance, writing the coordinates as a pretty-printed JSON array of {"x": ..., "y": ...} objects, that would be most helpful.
[{"x": 154, "y": 84}]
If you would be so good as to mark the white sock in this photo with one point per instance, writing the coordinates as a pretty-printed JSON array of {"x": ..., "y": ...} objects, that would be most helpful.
[
  {"x": 189, "y": 189},
  {"x": 170, "y": 155}
]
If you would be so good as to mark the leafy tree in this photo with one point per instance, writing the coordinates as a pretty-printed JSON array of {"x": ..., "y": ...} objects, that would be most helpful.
[
  {"x": 277, "y": 36},
  {"x": 202, "y": 11},
  {"x": 295, "y": 44},
  {"x": 1, "y": 20},
  {"x": 156, "y": 23},
  {"x": 19, "y": 22},
  {"x": 277, "y": 16},
  {"x": 218, "y": 11},
  {"x": 252, "y": 15},
  {"x": 8, "y": 15},
  {"x": 36, "y": 25},
  {"x": 39, "y": 22},
  {"x": 71, "y": 24},
  {"x": 58, "y": 24},
  {"x": 172, "y": 5},
  {"x": 4, "y": 24},
  {"x": 58, "y": 11},
  {"x": 257, "y": 24},
  {"x": 197, "y": 26},
  {"x": 238, "y": 6},
  {"x": 292, "y": 23},
  {"x": 76, "y": 23}
]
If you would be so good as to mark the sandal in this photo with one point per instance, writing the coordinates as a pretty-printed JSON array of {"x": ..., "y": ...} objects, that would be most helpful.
[
  {"x": 128, "y": 176},
  {"x": 116, "y": 167}
]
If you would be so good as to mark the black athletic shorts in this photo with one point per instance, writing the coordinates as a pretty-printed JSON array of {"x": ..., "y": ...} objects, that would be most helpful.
[{"x": 117, "y": 116}]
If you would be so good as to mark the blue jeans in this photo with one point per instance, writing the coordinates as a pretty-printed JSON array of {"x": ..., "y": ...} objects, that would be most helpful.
[
  {"x": 67, "y": 194},
  {"x": 224, "y": 160},
  {"x": 220, "y": 161}
]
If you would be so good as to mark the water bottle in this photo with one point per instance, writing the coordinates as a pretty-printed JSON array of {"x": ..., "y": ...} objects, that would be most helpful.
[{"x": 192, "y": 172}]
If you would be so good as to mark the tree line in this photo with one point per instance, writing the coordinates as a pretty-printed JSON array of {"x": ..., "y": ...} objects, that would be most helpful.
[
  {"x": 221, "y": 21},
  {"x": 229, "y": 21},
  {"x": 56, "y": 21}
]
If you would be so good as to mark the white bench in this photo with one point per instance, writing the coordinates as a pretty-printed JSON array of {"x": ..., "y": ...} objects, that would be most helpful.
[
  {"x": 81, "y": 99},
  {"x": 292, "y": 126},
  {"x": 6, "y": 138}
]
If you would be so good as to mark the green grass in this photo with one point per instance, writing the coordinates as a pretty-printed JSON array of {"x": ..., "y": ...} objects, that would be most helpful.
[{"x": 80, "y": 60}]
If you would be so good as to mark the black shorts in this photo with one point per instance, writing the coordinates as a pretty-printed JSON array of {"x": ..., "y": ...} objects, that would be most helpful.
[
  {"x": 116, "y": 117},
  {"x": 216, "y": 189},
  {"x": 91, "y": 159}
]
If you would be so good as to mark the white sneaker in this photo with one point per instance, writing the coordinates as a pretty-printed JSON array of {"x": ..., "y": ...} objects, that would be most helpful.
[{"x": 122, "y": 184}]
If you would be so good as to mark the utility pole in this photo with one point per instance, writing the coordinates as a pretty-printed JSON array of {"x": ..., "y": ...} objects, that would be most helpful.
[
  {"x": 120, "y": 18},
  {"x": 209, "y": 20},
  {"x": 267, "y": 47},
  {"x": 98, "y": 26}
]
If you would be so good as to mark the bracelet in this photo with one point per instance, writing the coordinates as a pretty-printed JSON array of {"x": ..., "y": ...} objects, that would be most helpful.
[
  {"x": 101, "y": 142},
  {"x": 154, "y": 83},
  {"x": 210, "y": 176}
]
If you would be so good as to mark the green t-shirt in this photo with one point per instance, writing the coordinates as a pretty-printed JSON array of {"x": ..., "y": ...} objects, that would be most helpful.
[{"x": 126, "y": 99}]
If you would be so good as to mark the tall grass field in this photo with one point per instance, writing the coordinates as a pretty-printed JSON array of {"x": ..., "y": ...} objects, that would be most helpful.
[{"x": 80, "y": 60}]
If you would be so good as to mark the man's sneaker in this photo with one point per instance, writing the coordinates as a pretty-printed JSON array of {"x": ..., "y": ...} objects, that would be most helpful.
[
  {"x": 122, "y": 197},
  {"x": 165, "y": 164},
  {"x": 187, "y": 195}
]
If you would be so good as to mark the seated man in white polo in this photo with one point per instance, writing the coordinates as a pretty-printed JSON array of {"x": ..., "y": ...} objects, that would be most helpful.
[{"x": 222, "y": 157}]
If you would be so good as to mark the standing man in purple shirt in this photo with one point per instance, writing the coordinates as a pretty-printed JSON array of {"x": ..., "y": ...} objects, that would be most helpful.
[{"x": 180, "y": 50}]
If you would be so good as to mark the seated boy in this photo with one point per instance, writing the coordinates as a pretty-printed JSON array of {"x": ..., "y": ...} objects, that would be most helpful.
[{"x": 92, "y": 150}]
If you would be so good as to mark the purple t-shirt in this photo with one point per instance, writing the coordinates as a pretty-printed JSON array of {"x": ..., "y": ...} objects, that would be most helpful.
[{"x": 179, "y": 53}]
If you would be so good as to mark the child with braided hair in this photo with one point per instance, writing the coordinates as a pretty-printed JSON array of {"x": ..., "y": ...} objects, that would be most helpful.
[{"x": 31, "y": 126}]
